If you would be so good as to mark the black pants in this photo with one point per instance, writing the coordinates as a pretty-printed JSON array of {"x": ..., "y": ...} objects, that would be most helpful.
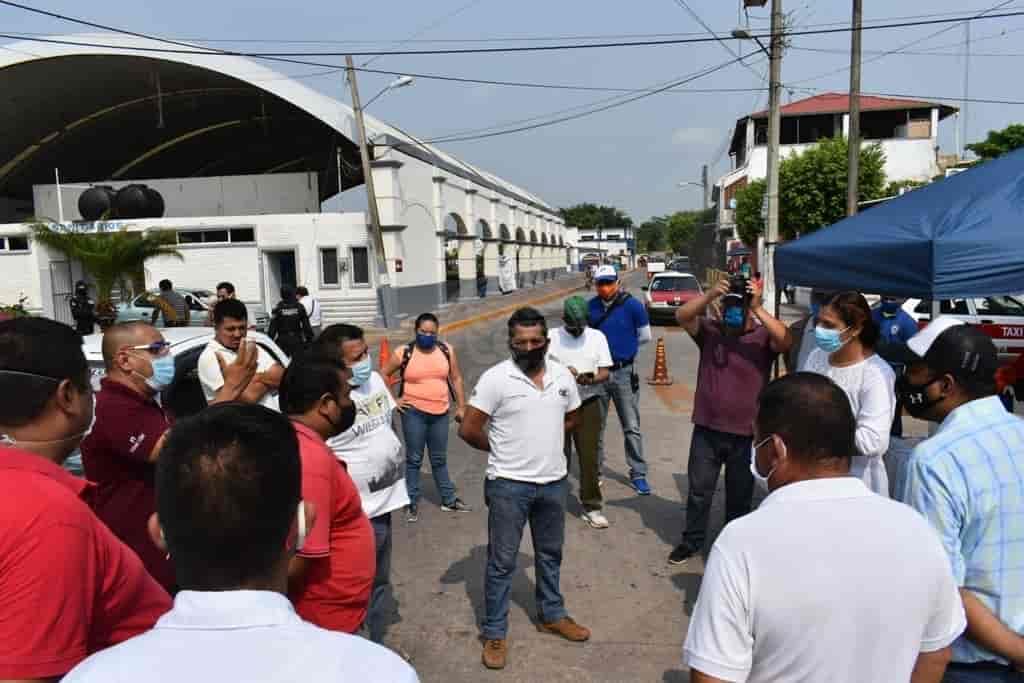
[{"x": 709, "y": 451}]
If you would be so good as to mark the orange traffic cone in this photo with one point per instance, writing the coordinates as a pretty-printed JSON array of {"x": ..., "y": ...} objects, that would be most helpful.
[
  {"x": 385, "y": 354},
  {"x": 660, "y": 377}
]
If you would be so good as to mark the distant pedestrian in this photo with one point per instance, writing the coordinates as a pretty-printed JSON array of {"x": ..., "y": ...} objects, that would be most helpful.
[
  {"x": 331, "y": 577},
  {"x": 746, "y": 270},
  {"x": 846, "y": 336},
  {"x": 120, "y": 453},
  {"x": 172, "y": 306},
  {"x": 83, "y": 309},
  {"x": 895, "y": 327},
  {"x": 968, "y": 482},
  {"x": 529, "y": 402},
  {"x": 624, "y": 323},
  {"x": 825, "y": 581},
  {"x": 68, "y": 586},
  {"x": 584, "y": 351},
  {"x": 736, "y": 356},
  {"x": 231, "y": 515},
  {"x": 289, "y": 324},
  {"x": 311, "y": 304},
  {"x": 481, "y": 284},
  {"x": 231, "y": 326},
  {"x": 429, "y": 380},
  {"x": 372, "y": 453},
  {"x": 225, "y": 290}
]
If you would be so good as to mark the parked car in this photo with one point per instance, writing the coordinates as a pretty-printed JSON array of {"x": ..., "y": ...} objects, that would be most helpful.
[
  {"x": 680, "y": 265},
  {"x": 668, "y": 291},
  {"x": 1000, "y": 317},
  {"x": 141, "y": 308}
]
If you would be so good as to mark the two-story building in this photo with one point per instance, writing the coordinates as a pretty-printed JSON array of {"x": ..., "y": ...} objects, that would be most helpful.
[
  {"x": 612, "y": 244},
  {"x": 906, "y": 130}
]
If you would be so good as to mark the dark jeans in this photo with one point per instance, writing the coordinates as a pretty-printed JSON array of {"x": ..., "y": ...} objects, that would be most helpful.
[
  {"x": 619, "y": 389},
  {"x": 585, "y": 438},
  {"x": 481, "y": 288},
  {"x": 429, "y": 431},
  {"x": 709, "y": 450},
  {"x": 511, "y": 504},
  {"x": 375, "y": 613},
  {"x": 958, "y": 673}
]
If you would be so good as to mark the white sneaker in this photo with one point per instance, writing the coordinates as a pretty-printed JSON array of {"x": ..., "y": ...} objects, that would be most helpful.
[{"x": 595, "y": 519}]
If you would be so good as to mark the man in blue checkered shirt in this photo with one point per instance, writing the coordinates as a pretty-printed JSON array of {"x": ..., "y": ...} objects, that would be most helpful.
[{"x": 968, "y": 481}]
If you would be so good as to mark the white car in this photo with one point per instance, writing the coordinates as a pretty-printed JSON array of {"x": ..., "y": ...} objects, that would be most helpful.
[
  {"x": 1000, "y": 317},
  {"x": 141, "y": 307}
]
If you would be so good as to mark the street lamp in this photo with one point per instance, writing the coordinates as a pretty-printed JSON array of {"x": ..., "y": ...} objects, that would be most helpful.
[
  {"x": 399, "y": 82},
  {"x": 745, "y": 34}
]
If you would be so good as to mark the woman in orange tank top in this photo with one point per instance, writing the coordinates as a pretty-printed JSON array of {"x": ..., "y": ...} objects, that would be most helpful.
[{"x": 430, "y": 377}]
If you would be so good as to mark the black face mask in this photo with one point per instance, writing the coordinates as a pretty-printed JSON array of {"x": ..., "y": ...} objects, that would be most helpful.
[
  {"x": 345, "y": 421},
  {"x": 574, "y": 331},
  {"x": 913, "y": 398},
  {"x": 530, "y": 361}
]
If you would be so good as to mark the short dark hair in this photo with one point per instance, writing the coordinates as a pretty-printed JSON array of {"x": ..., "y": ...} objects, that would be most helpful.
[
  {"x": 527, "y": 317},
  {"x": 229, "y": 308},
  {"x": 811, "y": 414},
  {"x": 40, "y": 348},
  {"x": 425, "y": 318},
  {"x": 328, "y": 344},
  {"x": 301, "y": 291},
  {"x": 165, "y": 285},
  {"x": 228, "y": 483},
  {"x": 853, "y": 309},
  {"x": 308, "y": 377},
  {"x": 227, "y": 287},
  {"x": 287, "y": 292}
]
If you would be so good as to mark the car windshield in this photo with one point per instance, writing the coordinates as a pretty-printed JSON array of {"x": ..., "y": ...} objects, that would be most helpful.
[{"x": 675, "y": 284}]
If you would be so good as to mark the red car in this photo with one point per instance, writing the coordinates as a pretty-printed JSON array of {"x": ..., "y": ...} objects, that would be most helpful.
[{"x": 668, "y": 291}]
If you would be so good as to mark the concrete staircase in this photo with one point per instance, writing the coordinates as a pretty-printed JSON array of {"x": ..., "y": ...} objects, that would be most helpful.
[{"x": 358, "y": 308}]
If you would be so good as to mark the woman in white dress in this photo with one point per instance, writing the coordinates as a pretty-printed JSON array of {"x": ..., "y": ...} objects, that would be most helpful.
[{"x": 846, "y": 336}]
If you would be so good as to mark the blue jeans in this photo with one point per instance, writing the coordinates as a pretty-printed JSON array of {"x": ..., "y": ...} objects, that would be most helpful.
[
  {"x": 375, "y": 616},
  {"x": 619, "y": 388},
  {"x": 430, "y": 431},
  {"x": 964, "y": 674},
  {"x": 511, "y": 504}
]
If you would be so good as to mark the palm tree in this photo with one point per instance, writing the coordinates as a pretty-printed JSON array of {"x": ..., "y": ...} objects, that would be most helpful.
[{"x": 109, "y": 256}]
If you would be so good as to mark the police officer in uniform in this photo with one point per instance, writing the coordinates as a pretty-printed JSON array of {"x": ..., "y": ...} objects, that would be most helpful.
[
  {"x": 83, "y": 309},
  {"x": 289, "y": 323}
]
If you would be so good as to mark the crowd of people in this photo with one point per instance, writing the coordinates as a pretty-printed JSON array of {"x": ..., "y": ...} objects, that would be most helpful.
[{"x": 256, "y": 534}]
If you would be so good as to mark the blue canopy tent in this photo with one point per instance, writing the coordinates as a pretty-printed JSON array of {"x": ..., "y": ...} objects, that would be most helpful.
[{"x": 962, "y": 236}]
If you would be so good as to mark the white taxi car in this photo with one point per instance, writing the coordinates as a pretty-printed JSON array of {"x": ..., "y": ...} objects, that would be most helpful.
[{"x": 1000, "y": 317}]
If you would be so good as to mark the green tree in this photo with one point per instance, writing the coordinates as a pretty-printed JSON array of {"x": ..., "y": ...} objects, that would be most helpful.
[
  {"x": 109, "y": 256},
  {"x": 682, "y": 230},
  {"x": 651, "y": 235},
  {"x": 812, "y": 190},
  {"x": 893, "y": 188},
  {"x": 999, "y": 142},
  {"x": 595, "y": 216}
]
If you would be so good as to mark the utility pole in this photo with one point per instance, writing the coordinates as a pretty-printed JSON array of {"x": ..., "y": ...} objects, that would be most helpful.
[
  {"x": 385, "y": 295},
  {"x": 774, "y": 125},
  {"x": 967, "y": 82},
  {"x": 704, "y": 187},
  {"x": 853, "y": 180}
]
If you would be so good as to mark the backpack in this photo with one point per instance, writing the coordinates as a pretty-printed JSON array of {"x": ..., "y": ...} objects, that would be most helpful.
[{"x": 407, "y": 357}]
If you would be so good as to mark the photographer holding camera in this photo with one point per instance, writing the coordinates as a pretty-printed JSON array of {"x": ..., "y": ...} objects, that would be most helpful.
[{"x": 736, "y": 355}]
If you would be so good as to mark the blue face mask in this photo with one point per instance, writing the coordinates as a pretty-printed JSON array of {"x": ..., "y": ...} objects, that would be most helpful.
[
  {"x": 163, "y": 373},
  {"x": 361, "y": 372},
  {"x": 426, "y": 341},
  {"x": 828, "y": 340},
  {"x": 733, "y": 317}
]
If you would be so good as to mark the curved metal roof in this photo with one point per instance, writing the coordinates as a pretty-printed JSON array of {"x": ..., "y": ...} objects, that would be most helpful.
[{"x": 126, "y": 111}]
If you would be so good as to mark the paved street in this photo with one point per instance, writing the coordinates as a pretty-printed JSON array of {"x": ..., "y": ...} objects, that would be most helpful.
[{"x": 615, "y": 581}]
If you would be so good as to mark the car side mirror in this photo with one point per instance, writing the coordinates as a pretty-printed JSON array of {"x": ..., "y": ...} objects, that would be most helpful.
[{"x": 645, "y": 288}]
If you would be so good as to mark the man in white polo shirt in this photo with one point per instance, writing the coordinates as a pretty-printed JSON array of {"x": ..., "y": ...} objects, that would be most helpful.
[
  {"x": 826, "y": 581},
  {"x": 530, "y": 402}
]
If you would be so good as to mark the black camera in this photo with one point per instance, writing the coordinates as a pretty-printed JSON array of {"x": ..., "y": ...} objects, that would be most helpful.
[{"x": 738, "y": 287}]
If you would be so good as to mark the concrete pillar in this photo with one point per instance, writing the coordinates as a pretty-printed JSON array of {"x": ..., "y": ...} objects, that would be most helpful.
[
  {"x": 491, "y": 265},
  {"x": 440, "y": 276},
  {"x": 467, "y": 268}
]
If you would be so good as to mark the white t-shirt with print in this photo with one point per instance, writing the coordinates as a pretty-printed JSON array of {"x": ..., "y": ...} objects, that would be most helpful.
[
  {"x": 527, "y": 425},
  {"x": 587, "y": 353},
  {"x": 371, "y": 449},
  {"x": 211, "y": 378}
]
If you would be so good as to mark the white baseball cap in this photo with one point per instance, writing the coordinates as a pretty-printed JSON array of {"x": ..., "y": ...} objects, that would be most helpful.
[{"x": 606, "y": 273}]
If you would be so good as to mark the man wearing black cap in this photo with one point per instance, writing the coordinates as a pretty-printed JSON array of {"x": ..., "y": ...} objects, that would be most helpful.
[{"x": 968, "y": 481}]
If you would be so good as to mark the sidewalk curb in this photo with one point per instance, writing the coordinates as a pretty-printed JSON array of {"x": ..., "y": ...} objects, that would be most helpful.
[{"x": 505, "y": 310}]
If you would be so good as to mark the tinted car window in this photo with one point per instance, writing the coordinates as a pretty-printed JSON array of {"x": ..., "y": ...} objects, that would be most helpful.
[
  {"x": 143, "y": 301},
  {"x": 675, "y": 284},
  {"x": 954, "y": 307},
  {"x": 999, "y": 305}
]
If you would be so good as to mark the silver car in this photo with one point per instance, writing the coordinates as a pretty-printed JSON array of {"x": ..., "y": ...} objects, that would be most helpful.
[{"x": 141, "y": 307}]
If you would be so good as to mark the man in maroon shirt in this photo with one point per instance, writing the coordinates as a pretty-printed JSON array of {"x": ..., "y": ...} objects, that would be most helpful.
[
  {"x": 736, "y": 355},
  {"x": 68, "y": 586}
]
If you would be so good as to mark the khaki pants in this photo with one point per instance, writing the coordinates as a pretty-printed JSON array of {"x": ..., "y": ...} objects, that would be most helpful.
[{"x": 586, "y": 437}]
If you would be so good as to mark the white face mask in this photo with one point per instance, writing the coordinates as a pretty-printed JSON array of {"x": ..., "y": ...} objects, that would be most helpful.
[
  {"x": 762, "y": 481},
  {"x": 10, "y": 441}
]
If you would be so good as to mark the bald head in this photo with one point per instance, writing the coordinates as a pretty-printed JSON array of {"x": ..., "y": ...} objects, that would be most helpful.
[{"x": 127, "y": 334}]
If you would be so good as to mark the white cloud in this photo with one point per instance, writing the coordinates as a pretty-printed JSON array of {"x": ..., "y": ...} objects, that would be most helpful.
[{"x": 695, "y": 136}]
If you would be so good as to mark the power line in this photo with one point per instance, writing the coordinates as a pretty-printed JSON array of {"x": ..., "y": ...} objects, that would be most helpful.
[
  {"x": 432, "y": 25},
  {"x": 191, "y": 49},
  {"x": 929, "y": 52},
  {"x": 728, "y": 48}
]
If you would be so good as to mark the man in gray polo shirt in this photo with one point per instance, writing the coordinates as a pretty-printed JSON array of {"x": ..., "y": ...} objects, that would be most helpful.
[{"x": 530, "y": 402}]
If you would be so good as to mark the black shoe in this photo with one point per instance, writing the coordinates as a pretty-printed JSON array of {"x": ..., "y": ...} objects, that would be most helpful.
[
  {"x": 456, "y": 505},
  {"x": 681, "y": 554},
  {"x": 412, "y": 512}
]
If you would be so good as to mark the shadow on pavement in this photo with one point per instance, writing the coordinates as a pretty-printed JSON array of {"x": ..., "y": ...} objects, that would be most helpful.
[
  {"x": 689, "y": 584},
  {"x": 675, "y": 676},
  {"x": 470, "y": 571},
  {"x": 663, "y": 516}
]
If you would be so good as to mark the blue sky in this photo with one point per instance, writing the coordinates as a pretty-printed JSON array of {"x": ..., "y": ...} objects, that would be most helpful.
[{"x": 631, "y": 156}]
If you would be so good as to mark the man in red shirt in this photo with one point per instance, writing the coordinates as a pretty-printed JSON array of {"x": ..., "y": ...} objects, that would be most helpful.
[
  {"x": 68, "y": 586},
  {"x": 331, "y": 577},
  {"x": 120, "y": 453}
]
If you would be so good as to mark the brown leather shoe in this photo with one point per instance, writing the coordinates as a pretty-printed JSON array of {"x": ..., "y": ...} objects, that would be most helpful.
[
  {"x": 567, "y": 628},
  {"x": 495, "y": 653}
]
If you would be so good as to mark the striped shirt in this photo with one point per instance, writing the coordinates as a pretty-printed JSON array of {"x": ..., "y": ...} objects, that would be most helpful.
[{"x": 968, "y": 481}]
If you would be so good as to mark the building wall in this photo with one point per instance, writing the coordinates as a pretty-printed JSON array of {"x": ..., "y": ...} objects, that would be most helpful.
[
  {"x": 905, "y": 159},
  {"x": 21, "y": 276},
  {"x": 275, "y": 193}
]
